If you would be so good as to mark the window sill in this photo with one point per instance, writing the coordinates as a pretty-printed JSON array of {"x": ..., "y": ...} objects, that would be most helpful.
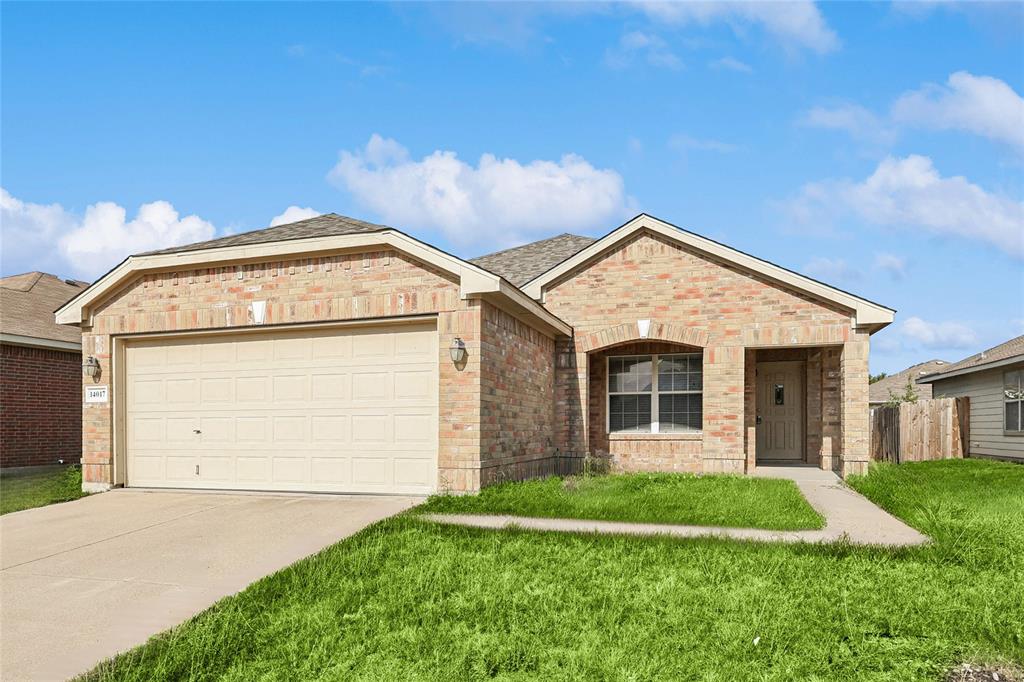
[{"x": 689, "y": 435}]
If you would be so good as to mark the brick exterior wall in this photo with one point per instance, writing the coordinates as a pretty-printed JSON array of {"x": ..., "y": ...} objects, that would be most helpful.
[
  {"x": 517, "y": 409},
  {"x": 523, "y": 403},
  {"x": 731, "y": 312},
  {"x": 40, "y": 406},
  {"x": 369, "y": 285}
]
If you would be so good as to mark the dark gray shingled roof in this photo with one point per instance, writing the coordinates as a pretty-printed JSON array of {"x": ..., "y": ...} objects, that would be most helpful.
[
  {"x": 1004, "y": 351},
  {"x": 523, "y": 263},
  {"x": 326, "y": 225},
  {"x": 518, "y": 265}
]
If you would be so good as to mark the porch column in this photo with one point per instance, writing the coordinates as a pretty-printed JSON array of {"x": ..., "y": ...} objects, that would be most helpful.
[
  {"x": 854, "y": 385},
  {"x": 723, "y": 437}
]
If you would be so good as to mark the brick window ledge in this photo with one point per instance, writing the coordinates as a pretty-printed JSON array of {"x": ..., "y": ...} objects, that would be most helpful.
[{"x": 689, "y": 435}]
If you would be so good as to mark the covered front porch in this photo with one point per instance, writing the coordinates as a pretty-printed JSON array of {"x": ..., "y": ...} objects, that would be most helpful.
[{"x": 670, "y": 404}]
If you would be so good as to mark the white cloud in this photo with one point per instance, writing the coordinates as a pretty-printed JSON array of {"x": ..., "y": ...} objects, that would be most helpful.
[
  {"x": 683, "y": 142},
  {"x": 28, "y": 232},
  {"x": 938, "y": 334},
  {"x": 831, "y": 270},
  {"x": 850, "y": 118},
  {"x": 498, "y": 201},
  {"x": 796, "y": 24},
  {"x": 650, "y": 47},
  {"x": 294, "y": 214},
  {"x": 909, "y": 192},
  {"x": 978, "y": 104},
  {"x": 732, "y": 64},
  {"x": 892, "y": 264},
  {"x": 90, "y": 245}
]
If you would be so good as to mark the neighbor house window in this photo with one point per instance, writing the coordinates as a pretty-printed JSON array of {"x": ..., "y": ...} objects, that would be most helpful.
[
  {"x": 1013, "y": 397},
  {"x": 655, "y": 393}
]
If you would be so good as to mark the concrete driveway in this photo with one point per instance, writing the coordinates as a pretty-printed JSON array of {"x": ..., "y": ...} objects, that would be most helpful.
[{"x": 84, "y": 580}]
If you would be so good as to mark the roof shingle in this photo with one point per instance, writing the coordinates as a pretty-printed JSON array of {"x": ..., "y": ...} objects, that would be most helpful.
[
  {"x": 523, "y": 263},
  {"x": 1003, "y": 351},
  {"x": 27, "y": 303},
  {"x": 326, "y": 225},
  {"x": 883, "y": 389}
]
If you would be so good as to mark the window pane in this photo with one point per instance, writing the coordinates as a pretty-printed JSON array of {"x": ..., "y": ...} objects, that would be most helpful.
[
  {"x": 679, "y": 373},
  {"x": 1011, "y": 386},
  {"x": 1012, "y": 416},
  {"x": 629, "y": 413},
  {"x": 629, "y": 375},
  {"x": 680, "y": 412}
]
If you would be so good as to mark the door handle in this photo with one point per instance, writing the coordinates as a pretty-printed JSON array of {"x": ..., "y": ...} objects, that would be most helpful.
[
  {"x": 758, "y": 420},
  {"x": 196, "y": 431}
]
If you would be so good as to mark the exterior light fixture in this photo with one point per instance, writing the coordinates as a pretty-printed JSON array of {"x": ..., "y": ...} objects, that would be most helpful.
[
  {"x": 458, "y": 351},
  {"x": 91, "y": 367}
]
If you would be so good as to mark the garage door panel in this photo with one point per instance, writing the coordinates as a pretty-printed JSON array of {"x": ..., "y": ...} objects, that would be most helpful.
[
  {"x": 332, "y": 348},
  {"x": 331, "y": 387},
  {"x": 216, "y": 390},
  {"x": 342, "y": 411},
  {"x": 371, "y": 386},
  {"x": 254, "y": 389}
]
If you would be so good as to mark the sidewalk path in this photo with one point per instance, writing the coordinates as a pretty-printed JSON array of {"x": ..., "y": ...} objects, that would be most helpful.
[{"x": 847, "y": 513}]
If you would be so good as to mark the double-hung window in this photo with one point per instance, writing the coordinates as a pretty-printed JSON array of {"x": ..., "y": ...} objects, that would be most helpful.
[
  {"x": 1013, "y": 402},
  {"x": 659, "y": 393}
]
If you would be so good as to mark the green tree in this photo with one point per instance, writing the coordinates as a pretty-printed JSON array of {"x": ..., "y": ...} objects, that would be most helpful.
[
  {"x": 872, "y": 378},
  {"x": 909, "y": 394}
]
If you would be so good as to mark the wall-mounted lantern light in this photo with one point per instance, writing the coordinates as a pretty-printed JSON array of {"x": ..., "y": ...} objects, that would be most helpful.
[
  {"x": 458, "y": 351},
  {"x": 91, "y": 367}
]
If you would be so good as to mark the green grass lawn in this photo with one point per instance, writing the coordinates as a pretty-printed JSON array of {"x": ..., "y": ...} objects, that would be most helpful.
[
  {"x": 38, "y": 490},
  {"x": 736, "y": 501},
  {"x": 408, "y": 599}
]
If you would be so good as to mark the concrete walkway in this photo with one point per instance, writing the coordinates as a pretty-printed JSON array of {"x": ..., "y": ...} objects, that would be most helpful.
[
  {"x": 82, "y": 581},
  {"x": 848, "y": 514}
]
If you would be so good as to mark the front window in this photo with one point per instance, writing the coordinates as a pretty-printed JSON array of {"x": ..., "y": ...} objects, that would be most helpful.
[
  {"x": 655, "y": 393},
  {"x": 1013, "y": 397}
]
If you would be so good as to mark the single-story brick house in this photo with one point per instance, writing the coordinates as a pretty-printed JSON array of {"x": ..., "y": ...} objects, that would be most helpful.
[
  {"x": 40, "y": 373},
  {"x": 333, "y": 354}
]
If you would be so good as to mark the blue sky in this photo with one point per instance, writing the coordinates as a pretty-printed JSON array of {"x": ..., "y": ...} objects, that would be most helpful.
[{"x": 878, "y": 147}]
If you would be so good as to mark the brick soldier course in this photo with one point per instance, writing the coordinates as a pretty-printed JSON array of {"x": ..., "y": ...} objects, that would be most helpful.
[{"x": 538, "y": 323}]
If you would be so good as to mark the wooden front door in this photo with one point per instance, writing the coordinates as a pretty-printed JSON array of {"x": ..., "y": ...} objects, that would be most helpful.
[{"x": 780, "y": 411}]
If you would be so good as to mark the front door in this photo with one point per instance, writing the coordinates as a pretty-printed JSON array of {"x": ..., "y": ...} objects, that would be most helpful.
[{"x": 780, "y": 411}]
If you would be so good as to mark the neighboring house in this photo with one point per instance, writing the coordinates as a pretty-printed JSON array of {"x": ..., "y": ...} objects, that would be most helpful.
[
  {"x": 994, "y": 382},
  {"x": 332, "y": 354},
  {"x": 40, "y": 373},
  {"x": 885, "y": 388}
]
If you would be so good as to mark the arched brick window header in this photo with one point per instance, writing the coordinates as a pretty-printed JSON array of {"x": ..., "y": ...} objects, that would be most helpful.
[{"x": 641, "y": 330}]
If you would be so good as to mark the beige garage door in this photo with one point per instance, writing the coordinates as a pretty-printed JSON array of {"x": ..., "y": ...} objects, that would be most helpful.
[{"x": 351, "y": 410}]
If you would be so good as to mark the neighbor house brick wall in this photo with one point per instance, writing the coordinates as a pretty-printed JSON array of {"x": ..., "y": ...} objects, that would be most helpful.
[
  {"x": 517, "y": 406},
  {"x": 336, "y": 287},
  {"x": 40, "y": 413},
  {"x": 650, "y": 277}
]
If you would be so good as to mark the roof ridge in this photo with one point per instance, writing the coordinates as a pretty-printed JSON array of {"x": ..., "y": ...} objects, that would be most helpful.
[{"x": 533, "y": 243}]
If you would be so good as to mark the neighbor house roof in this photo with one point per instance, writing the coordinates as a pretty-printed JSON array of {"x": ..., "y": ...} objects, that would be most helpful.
[
  {"x": 522, "y": 263},
  {"x": 27, "y": 302},
  {"x": 997, "y": 356},
  {"x": 883, "y": 389},
  {"x": 326, "y": 225}
]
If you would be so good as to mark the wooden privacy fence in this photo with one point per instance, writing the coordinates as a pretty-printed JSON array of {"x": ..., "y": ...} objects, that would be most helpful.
[{"x": 925, "y": 430}]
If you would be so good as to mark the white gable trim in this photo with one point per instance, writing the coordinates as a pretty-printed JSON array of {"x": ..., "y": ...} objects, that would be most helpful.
[
  {"x": 866, "y": 313},
  {"x": 473, "y": 280}
]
